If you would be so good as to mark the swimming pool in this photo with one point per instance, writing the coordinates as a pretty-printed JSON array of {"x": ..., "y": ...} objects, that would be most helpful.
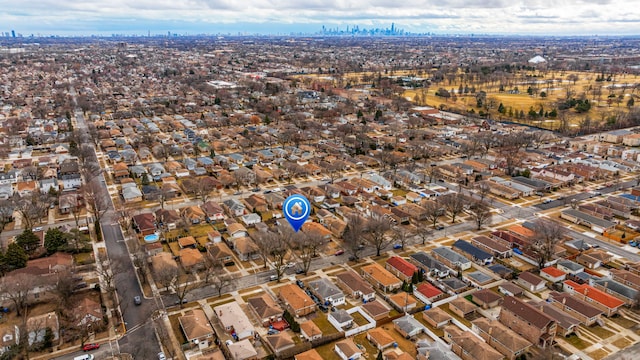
[{"x": 151, "y": 238}]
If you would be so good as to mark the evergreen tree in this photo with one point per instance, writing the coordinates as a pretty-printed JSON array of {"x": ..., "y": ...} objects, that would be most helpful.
[
  {"x": 28, "y": 241},
  {"x": 414, "y": 278},
  {"x": 145, "y": 179},
  {"x": 16, "y": 258},
  {"x": 54, "y": 239}
]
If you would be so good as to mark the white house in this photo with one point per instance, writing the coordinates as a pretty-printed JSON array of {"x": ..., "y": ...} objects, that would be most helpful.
[{"x": 234, "y": 319}]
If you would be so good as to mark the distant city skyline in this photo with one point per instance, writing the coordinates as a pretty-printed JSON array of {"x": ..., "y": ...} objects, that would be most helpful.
[{"x": 159, "y": 17}]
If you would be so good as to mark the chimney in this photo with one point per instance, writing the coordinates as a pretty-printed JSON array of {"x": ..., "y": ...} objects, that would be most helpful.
[
  {"x": 564, "y": 300},
  {"x": 490, "y": 330}
]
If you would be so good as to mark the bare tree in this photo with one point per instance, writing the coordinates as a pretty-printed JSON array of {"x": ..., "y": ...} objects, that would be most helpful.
[
  {"x": 183, "y": 288},
  {"x": 307, "y": 246},
  {"x": 165, "y": 275},
  {"x": 546, "y": 235},
  {"x": 454, "y": 204},
  {"x": 201, "y": 188},
  {"x": 6, "y": 212},
  {"x": 483, "y": 189},
  {"x": 33, "y": 208},
  {"x": 353, "y": 236},
  {"x": 220, "y": 280},
  {"x": 64, "y": 287},
  {"x": 18, "y": 289},
  {"x": 480, "y": 213},
  {"x": 97, "y": 202},
  {"x": 433, "y": 211},
  {"x": 402, "y": 235},
  {"x": 377, "y": 233}
]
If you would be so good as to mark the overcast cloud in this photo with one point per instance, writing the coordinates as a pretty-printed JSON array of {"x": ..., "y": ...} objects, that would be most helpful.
[{"x": 561, "y": 17}]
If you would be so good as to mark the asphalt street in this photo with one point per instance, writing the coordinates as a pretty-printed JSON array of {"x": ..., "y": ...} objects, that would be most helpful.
[{"x": 139, "y": 340}]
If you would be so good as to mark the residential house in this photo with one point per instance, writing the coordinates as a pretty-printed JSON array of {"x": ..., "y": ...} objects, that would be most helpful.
[
  {"x": 380, "y": 278},
  {"x": 463, "y": 308},
  {"x": 526, "y": 320},
  {"x": 234, "y": 207},
  {"x": 497, "y": 248},
  {"x": 567, "y": 324},
  {"x": 403, "y": 301},
  {"x": 279, "y": 342},
  {"x": 470, "y": 347},
  {"x": 581, "y": 218},
  {"x": 310, "y": 331},
  {"x": 499, "y": 337},
  {"x": 265, "y": 309},
  {"x": 486, "y": 298},
  {"x": 553, "y": 274},
  {"x": 510, "y": 289},
  {"x": 376, "y": 309},
  {"x": 191, "y": 259},
  {"x": 36, "y": 328},
  {"x": 168, "y": 218},
  {"x": 193, "y": 215},
  {"x": 621, "y": 291},
  {"x": 586, "y": 313},
  {"x": 472, "y": 253},
  {"x": 144, "y": 223},
  {"x": 196, "y": 327},
  {"x": 401, "y": 268},
  {"x": 408, "y": 326},
  {"x": 380, "y": 338},
  {"x": 220, "y": 253},
  {"x": 296, "y": 300},
  {"x": 234, "y": 320},
  {"x": 347, "y": 350},
  {"x": 451, "y": 258},
  {"x": 428, "y": 264},
  {"x": 355, "y": 286},
  {"x": 327, "y": 292},
  {"x": 609, "y": 304},
  {"x": 236, "y": 230},
  {"x": 436, "y": 317},
  {"x": 428, "y": 293},
  {"x": 626, "y": 278},
  {"x": 569, "y": 267},
  {"x": 88, "y": 312},
  {"x": 245, "y": 247},
  {"x": 531, "y": 282},
  {"x": 213, "y": 211},
  {"x": 340, "y": 319},
  {"x": 242, "y": 350}
]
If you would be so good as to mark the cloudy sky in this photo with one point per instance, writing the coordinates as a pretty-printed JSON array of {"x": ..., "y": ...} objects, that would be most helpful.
[{"x": 561, "y": 17}]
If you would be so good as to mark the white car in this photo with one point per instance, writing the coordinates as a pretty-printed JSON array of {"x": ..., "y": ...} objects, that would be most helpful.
[
  {"x": 228, "y": 342},
  {"x": 161, "y": 356}
]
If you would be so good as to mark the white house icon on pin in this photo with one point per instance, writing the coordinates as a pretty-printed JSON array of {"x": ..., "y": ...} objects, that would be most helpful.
[{"x": 296, "y": 209}]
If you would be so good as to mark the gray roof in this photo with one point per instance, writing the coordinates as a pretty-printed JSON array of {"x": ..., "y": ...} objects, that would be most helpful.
[
  {"x": 451, "y": 255},
  {"x": 617, "y": 288},
  {"x": 589, "y": 219},
  {"x": 454, "y": 283},
  {"x": 479, "y": 277},
  {"x": 571, "y": 265},
  {"x": 341, "y": 316},
  {"x": 472, "y": 250},
  {"x": 326, "y": 289},
  {"x": 408, "y": 324}
]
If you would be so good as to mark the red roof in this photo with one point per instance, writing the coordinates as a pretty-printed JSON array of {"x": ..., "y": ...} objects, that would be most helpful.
[
  {"x": 402, "y": 265},
  {"x": 553, "y": 272},
  {"x": 596, "y": 295},
  {"x": 428, "y": 290}
]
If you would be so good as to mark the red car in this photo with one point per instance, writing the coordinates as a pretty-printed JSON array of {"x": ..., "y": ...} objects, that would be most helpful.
[
  {"x": 339, "y": 252},
  {"x": 88, "y": 347}
]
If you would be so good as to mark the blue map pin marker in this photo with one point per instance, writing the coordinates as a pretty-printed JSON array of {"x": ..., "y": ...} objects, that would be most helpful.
[{"x": 296, "y": 210}]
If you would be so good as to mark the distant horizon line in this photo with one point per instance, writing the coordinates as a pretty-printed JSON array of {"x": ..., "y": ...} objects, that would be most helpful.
[{"x": 169, "y": 34}]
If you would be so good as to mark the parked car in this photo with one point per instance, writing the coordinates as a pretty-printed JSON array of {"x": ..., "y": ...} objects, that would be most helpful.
[
  {"x": 299, "y": 271},
  {"x": 273, "y": 277},
  {"x": 397, "y": 246},
  {"x": 323, "y": 308},
  {"x": 300, "y": 284},
  {"x": 633, "y": 243},
  {"x": 89, "y": 347},
  {"x": 439, "y": 227},
  {"x": 228, "y": 342},
  {"x": 137, "y": 300},
  {"x": 161, "y": 356},
  {"x": 339, "y": 252},
  {"x": 273, "y": 332}
]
